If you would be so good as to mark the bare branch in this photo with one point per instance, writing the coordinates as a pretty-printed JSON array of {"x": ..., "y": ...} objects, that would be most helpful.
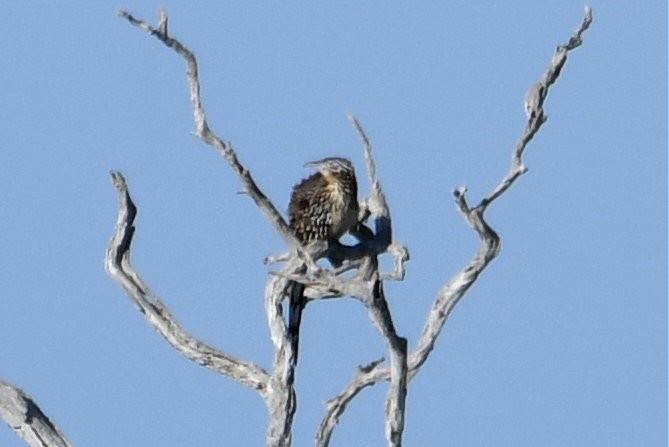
[
  {"x": 371, "y": 293},
  {"x": 380, "y": 315},
  {"x": 455, "y": 289},
  {"x": 368, "y": 288},
  {"x": 117, "y": 263},
  {"x": 369, "y": 159},
  {"x": 336, "y": 406},
  {"x": 24, "y": 416},
  {"x": 203, "y": 132},
  {"x": 534, "y": 107},
  {"x": 376, "y": 203},
  {"x": 451, "y": 293},
  {"x": 401, "y": 255},
  {"x": 281, "y": 402},
  {"x": 366, "y": 285},
  {"x": 277, "y": 388}
]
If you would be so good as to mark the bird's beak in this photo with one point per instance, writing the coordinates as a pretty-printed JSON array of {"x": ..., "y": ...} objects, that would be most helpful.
[{"x": 312, "y": 164}]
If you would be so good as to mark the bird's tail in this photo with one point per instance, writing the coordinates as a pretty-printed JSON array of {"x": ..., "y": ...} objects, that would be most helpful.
[{"x": 296, "y": 306}]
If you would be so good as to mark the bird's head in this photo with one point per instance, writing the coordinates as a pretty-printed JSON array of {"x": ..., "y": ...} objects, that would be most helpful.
[{"x": 331, "y": 165}]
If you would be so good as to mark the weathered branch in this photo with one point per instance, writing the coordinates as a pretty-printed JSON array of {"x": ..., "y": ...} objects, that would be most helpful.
[
  {"x": 277, "y": 388},
  {"x": 117, "y": 263},
  {"x": 451, "y": 293},
  {"x": 395, "y": 402},
  {"x": 375, "y": 301},
  {"x": 203, "y": 132},
  {"x": 282, "y": 402},
  {"x": 367, "y": 286},
  {"x": 534, "y": 108},
  {"x": 455, "y": 289},
  {"x": 24, "y": 416}
]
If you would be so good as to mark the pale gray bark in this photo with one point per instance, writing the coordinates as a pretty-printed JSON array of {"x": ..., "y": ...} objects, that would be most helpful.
[
  {"x": 276, "y": 387},
  {"x": 489, "y": 248},
  {"x": 117, "y": 263},
  {"x": 24, "y": 416}
]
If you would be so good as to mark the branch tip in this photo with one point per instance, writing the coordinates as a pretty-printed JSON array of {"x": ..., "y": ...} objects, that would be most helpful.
[
  {"x": 371, "y": 365},
  {"x": 118, "y": 180},
  {"x": 162, "y": 21}
]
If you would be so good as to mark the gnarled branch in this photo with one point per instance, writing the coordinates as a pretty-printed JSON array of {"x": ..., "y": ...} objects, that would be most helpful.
[
  {"x": 203, "y": 132},
  {"x": 366, "y": 285},
  {"x": 117, "y": 263},
  {"x": 281, "y": 400},
  {"x": 489, "y": 248}
]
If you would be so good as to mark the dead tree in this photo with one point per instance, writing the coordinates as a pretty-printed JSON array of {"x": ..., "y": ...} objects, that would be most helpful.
[{"x": 275, "y": 386}]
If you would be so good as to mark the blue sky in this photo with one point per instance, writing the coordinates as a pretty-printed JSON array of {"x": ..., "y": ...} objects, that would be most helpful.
[{"x": 562, "y": 341}]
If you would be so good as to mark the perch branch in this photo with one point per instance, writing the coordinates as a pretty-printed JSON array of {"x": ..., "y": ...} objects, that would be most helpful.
[
  {"x": 117, "y": 263},
  {"x": 489, "y": 248},
  {"x": 367, "y": 286},
  {"x": 24, "y": 416}
]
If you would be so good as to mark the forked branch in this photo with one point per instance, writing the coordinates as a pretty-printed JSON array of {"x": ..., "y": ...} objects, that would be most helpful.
[
  {"x": 367, "y": 283},
  {"x": 281, "y": 400},
  {"x": 489, "y": 247}
]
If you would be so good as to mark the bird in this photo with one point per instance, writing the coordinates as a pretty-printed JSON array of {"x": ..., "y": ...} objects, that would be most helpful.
[{"x": 323, "y": 207}]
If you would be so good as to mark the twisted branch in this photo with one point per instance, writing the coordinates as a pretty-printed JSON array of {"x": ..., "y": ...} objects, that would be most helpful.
[
  {"x": 277, "y": 388},
  {"x": 281, "y": 400},
  {"x": 366, "y": 285},
  {"x": 489, "y": 248},
  {"x": 117, "y": 263},
  {"x": 203, "y": 132}
]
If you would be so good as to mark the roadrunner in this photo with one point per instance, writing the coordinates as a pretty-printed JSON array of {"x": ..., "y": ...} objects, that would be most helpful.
[{"x": 322, "y": 207}]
